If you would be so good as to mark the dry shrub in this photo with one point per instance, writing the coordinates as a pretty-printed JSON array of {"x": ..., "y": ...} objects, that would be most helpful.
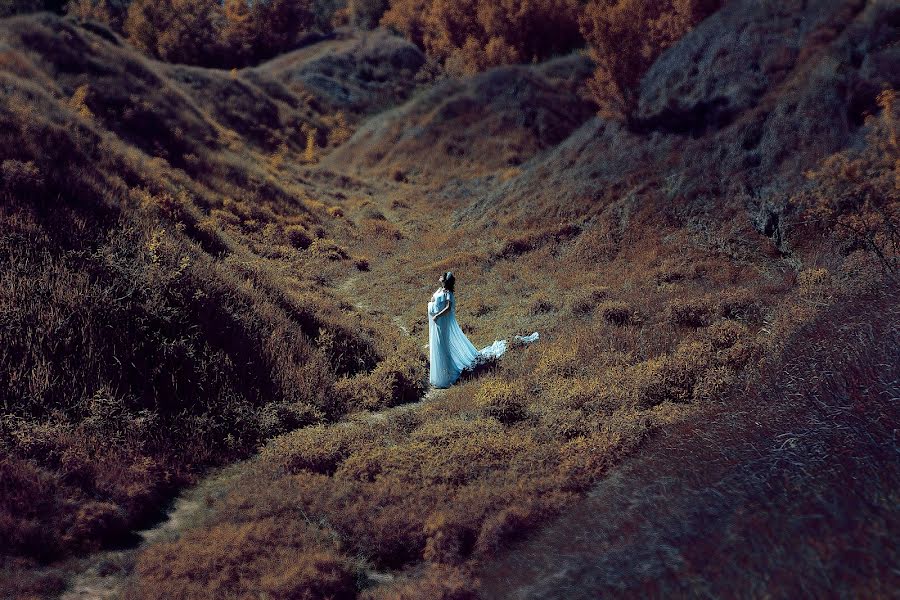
[
  {"x": 501, "y": 400},
  {"x": 854, "y": 192},
  {"x": 18, "y": 177},
  {"x": 29, "y": 502},
  {"x": 617, "y": 313},
  {"x": 740, "y": 305},
  {"x": 587, "y": 301},
  {"x": 328, "y": 249},
  {"x": 382, "y": 229},
  {"x": 279, "y": 560},
  {"x": 391, "y": 383},
  {"x": 278, "y": 417},
  {"x": 501, "y": 528},
  {"x": 671, "y": 377},
  {"x": 318, "y": 449},
  {"x": 361, "y": 263},
  {"x": 472, "y": 35},
  {"x": 298, "y": 236},
  {"x": 626, "y": 36},
  {"x": 448, "y": 541},
  {"x": 690, "y": 312},
  {"x": 583, "y": 460},
  {"x": 522, "y": 244}
]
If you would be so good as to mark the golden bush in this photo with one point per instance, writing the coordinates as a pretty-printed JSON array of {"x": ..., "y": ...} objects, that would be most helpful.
[
  {"x": 625, "y": 37},
  {"x": 472, "y": 35},
  {"x": 501, "y": 400},
  {"x": 690, "y": 312}
]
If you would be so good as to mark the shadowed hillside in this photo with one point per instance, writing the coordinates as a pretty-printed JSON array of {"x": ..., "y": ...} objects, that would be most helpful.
[
  {"x": 162, "y": 308},
  {"x": 473, "y": 127},
  {"x": 219, "y": 262}
]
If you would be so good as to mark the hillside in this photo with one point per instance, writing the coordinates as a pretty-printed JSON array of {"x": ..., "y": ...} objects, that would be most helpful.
[{"x": 202, "y": 266}]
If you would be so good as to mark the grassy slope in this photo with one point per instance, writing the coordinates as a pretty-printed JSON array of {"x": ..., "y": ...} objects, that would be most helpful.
[
  {"x": 162, "y": 301},
  {"x": 652, "y": 308}
]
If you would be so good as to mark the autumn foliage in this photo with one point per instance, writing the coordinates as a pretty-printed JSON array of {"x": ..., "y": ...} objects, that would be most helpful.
[
  {"x": 208, "y": 33},
  {"x": 472, "y": 35},
  {"x": 854, "y": 194},
  {"x": 626, "y": 36}
]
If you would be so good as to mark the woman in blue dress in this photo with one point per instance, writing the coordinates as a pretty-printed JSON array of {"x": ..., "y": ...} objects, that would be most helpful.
[{"x": 450, "y": 351}]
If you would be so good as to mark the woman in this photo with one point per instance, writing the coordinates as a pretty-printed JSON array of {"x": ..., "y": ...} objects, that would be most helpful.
[
  {"x": 451, "y": 352},
  {"x": 450, "y": 349}
]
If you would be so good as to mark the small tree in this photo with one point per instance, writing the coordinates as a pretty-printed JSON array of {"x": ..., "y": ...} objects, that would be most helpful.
[
  {"x": 855, "y": 194},
  {"x": 339, "y": 131},
  {"x": 239, "y": 32},
  {"x": 468, "y": 36},
  {"x": 181, "y": 31},
  {"x": 309, "y": 154},
  {"x": 625, "y": 37},
  {"x": 78, "y": 102}
]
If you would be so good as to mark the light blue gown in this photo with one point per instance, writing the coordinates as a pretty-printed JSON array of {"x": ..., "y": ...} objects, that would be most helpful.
[{"x": 450, "y": 351}]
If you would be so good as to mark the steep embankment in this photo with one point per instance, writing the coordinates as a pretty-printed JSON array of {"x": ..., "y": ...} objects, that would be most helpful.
[
  {"x": 738, "y": 110},
  {"x": 162, "y": 305}
]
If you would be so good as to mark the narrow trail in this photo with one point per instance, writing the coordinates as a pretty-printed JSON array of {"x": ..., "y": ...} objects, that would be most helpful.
[{"x": 105, "y": 575}]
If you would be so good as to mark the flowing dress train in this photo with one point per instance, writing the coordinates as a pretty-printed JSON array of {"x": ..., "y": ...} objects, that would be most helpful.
[{"x": 450, "y": 351}]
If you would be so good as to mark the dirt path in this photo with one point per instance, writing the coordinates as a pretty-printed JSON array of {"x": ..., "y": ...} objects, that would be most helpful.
[{"x": 105, "y": 575}]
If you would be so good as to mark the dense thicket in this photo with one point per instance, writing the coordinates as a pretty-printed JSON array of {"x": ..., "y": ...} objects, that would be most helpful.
[
  {"x": 626, "y": 36},
  {"x": 471, "y": 35}
]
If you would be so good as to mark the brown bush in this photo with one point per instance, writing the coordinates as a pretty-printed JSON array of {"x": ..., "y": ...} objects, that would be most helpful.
[
  {"x": 501, "y": 400},
  {"x": 671, "y": 377},
  {"x": 472, "y": 35},
  {"x": 740, "y": 305},
  {"x": 448, "y": 540},
  {"x": 391, "y": 383},
  {"x": 854, "y": 193},
  {"x": 226, "y": 560},
  {"x": 298, "y": 236},
  {"x": 690, "y": 312},
  {"x": 626, "y": 36},
  {"x": 617, "y": 313}
]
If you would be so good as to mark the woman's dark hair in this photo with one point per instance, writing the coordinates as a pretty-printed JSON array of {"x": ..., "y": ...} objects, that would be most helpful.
[{"x": 449, "y": 281}]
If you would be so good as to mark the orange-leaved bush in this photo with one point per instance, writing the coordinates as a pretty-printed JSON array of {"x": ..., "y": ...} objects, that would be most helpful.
[
  {"x": 469, "y": 36},
  {"x": 626, "y": 36},
  {"x": 855, "y": 194}
]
